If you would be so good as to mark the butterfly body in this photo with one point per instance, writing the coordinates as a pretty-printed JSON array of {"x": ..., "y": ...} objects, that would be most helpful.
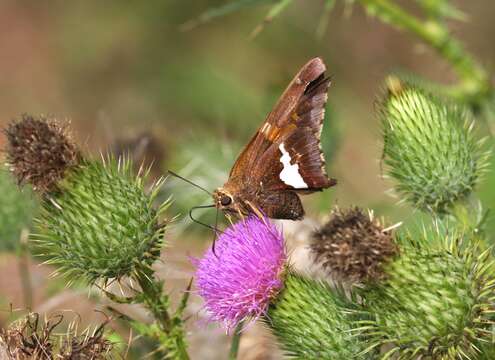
[
  {"x": 284, "y": 158},
  {"x": 261, "y": 202}
]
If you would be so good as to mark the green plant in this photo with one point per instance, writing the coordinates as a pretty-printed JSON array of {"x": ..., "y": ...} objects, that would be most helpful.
[
  {"x": 437, "y": 300},
  {"x": 98, "y": 224},
  {"x": 429, "y": 148},
  {"x": 395, "y": 293},
  {"x": 473, "y": 88},
  {"x": 423, "y": 294},
  {"x": 17, "y": 208}
]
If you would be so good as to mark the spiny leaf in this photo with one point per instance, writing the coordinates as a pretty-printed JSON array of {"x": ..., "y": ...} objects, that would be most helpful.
[
  {"x": 184, "y": 300},
  {"x": 275, "y": 10},
  {"x": 213, "y": 13},
  {"x": 442, "y": 9}
]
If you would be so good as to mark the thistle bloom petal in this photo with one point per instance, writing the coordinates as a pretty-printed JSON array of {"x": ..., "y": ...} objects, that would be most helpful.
[{"x": 244, "y": 274}]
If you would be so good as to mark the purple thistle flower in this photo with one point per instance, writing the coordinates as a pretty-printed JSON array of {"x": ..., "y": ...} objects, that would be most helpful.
[{"x": 246, "y": 274}]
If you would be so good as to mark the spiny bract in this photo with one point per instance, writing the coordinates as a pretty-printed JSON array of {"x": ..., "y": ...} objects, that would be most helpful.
[
  {"x": 429, "y": 148},
  {"x": 101, "y": 223},
  {"x": 311, "y": 321},
  {"x": 436, "y": 301}
]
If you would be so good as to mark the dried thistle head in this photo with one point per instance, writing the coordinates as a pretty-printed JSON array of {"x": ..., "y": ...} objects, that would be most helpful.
[
  {"x": 353, "y": 246},
  {"x": 39, "y": 151},
  {"x": 87, "y": 345},
  {"x": 35, "y": 339},
  {"x": 29, "y": 338}
]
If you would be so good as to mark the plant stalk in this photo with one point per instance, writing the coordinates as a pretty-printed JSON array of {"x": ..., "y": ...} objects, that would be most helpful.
[
  {"x": 153, "y": 297},
  {"x": 236, "y": 340},
  {"x": 23, "y": 258},
  {"x": 474, "y": 84},
  {"x": 157, "y": 304}
]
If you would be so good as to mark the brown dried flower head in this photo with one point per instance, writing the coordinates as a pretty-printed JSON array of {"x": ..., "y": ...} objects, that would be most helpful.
[
  {"x": 353, "y": 246},
  {"x": 39, "y": 151},
  {"x": 87, "y": 346},
  {"x": 29, "y": 338},
  {"x": 35, "y": 339}
]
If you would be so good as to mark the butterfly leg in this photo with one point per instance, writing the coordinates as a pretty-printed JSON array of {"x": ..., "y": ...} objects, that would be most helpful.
[
  {"x": 255, "y": 210},
  {"x": 229, "y": 218}
]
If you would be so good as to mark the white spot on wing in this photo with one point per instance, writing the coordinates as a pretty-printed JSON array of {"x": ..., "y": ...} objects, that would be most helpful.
[{"x": 290, "y": 173}]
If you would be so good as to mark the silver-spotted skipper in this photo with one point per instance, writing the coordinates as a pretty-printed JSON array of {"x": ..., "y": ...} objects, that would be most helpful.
[{"x": 284, "y": 157}]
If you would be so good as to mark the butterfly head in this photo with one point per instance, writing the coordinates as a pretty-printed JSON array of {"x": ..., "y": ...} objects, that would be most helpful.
[
  {"x": 226, "y": 201},
  {"x": 223, "y": 198}
]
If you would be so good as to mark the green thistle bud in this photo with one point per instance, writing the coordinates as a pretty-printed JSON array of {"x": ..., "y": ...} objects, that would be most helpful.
[
  {"x": 488, "y": 350},
  {"x": 100, "y": 224},
  {"x": 17, "y": 208},
  {"x": 311, "y": 321},
  {"x": 429, "y": 148},
  {"x": 436, "y": 301},
  {"x": 97, "y": 221}
]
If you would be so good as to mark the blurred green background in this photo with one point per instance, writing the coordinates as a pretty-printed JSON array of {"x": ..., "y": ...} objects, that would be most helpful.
[{"x": 123, "y": 71}]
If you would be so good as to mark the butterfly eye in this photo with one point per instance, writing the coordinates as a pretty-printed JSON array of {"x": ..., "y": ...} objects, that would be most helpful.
[{"x": 225, "y": 200}]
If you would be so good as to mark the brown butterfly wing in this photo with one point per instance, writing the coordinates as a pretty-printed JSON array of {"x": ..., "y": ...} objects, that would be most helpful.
[
  {"x": 280, "y": 121},
  {"x": 295, "y": 161},
  {"x": 284, "y": 156}
]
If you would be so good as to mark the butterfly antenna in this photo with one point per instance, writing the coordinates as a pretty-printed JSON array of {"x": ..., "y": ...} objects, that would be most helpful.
[
  {"x": 215, "y": 235},
  {"x": 200, "y": 222},
  {"x": 190, "y": 182}
]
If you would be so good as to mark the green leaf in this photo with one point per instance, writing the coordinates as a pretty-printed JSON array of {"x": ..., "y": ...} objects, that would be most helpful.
[
  {"x": 323, "y": 24},
  {"x": 275, "y": 11},
  {"x": 442, "y": 9},
  {"x": 220, "y": 11},
  {"x": 17, "y": 207}
]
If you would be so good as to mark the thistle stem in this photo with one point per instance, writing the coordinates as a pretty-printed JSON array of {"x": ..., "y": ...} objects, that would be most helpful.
[
  {"x": 157, "y": 304},
  {"x": 474, "y": 86},
  {"x": 153, "y": 297},
  {"x": 24, "y": 270},
  {"x": 236, "y": 340}
]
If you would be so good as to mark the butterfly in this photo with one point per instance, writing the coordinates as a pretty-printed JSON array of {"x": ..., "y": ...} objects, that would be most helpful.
[{"x": 284, "y": 158}]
